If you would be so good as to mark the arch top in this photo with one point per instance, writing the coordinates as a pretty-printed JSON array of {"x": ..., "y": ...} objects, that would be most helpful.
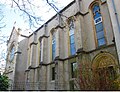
[
  {"x": 98, "y": 2},
  {"x": 103, "y": 59}
]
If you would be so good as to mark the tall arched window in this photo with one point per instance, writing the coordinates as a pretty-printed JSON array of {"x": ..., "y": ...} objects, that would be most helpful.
[
  {"x": 72, "y": 39},
  {"x": 12, "y": 52},
  {"x": 98, "y": 25},
  {"x": 53, "y": 46}
]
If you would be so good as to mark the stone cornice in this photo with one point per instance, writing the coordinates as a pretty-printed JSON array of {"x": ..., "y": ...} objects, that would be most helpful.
[
  {"x": 80, "y": 13},
  {"x": 17, "y": 52},
  {"x": 98, "y": 48},
  {"x": 58, "y": 26},
  {"x": 33, "y": 43},
  {"x": 24, "y": 36},
  {"x": 44, "y": 36}
]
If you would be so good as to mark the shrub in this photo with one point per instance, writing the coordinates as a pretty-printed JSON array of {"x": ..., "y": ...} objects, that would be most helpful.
[{"x": 4, "y": 82}]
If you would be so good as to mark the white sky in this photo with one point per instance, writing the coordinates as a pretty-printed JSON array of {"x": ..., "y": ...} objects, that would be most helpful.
[{"x": 10, "y": 17}]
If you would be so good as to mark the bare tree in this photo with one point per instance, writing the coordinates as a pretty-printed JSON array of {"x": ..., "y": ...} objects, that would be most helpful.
[
  {"x": 3, "y": 40},
  {"x": 2, "y": 25},
  {"x": 29, "y": 9}
]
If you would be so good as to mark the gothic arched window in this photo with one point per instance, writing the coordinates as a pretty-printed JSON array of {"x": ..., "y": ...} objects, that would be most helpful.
[
  {"x": 98, "y": 25},
  {"x": 53, "y": 46},
  {"x": 72, "y": 38},
  {"x": 12, "y": 52}
]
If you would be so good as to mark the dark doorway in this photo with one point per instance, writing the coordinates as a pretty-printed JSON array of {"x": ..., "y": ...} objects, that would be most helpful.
[{"x": 106, "y": 77}]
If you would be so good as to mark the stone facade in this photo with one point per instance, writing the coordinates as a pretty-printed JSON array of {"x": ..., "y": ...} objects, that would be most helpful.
[{"x": 33, "y": 63}]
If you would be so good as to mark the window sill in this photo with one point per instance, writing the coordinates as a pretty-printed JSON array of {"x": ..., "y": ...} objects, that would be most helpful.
[
  {"x": 52, "y": 81},
  {"x": 102, "y": 46},
  {"x": 72, "y": 56}
]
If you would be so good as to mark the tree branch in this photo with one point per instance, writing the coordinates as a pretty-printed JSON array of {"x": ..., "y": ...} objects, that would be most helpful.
[
  {"x": 30, "y": 16},
  {"x": 55, "y": 8}
]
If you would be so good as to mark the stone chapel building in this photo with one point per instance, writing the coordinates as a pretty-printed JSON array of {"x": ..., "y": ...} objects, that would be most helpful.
[{"x": 77, "y": 49}]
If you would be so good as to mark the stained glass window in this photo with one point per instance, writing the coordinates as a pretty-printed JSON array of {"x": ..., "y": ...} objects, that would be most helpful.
[
  {"x": 99, "y": 25},
  {"x": 53, "y": 46}
]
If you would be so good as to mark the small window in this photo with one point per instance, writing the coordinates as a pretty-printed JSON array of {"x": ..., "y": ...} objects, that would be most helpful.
[
  {"x": 53, "y": 73},
  {"x": 112, "y": 72},
  {"x": 74, "y": 70}
]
